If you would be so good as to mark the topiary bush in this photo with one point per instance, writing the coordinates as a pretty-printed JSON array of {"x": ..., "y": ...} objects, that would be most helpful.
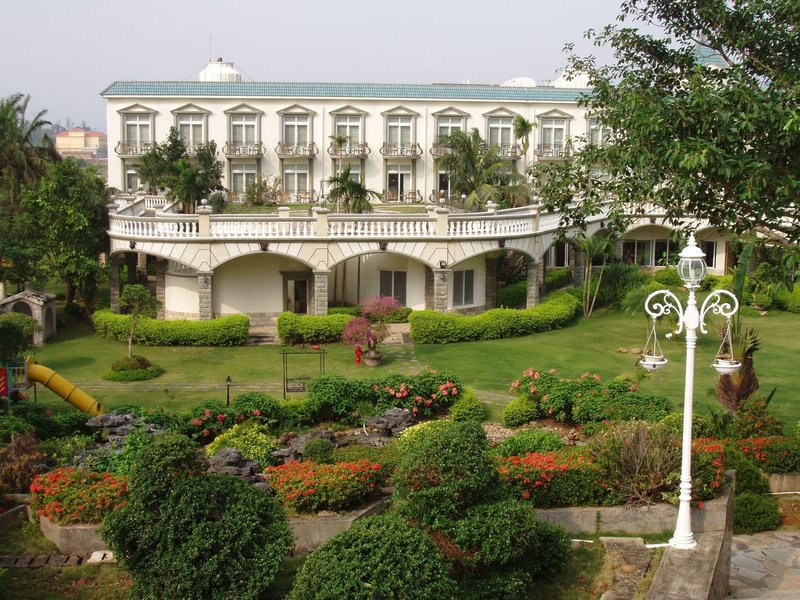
[
  {"x": 521, "y": 410},
  {"x": 530, "y": 440},
  {"x": 188, "y": 534},
  {"x": 468, "y": 408},
  {"x": 251, "y": 439},
  {"x": 319, "y": 450},
  {"x": 378, "y": 557},
  {"x": 132, "y": 368},
  {"x": 753, "y": 513},
  {"x": 444, "y": 470},
  {"x": 311, "y": 329},
  {"x": 231, "y": 330}
]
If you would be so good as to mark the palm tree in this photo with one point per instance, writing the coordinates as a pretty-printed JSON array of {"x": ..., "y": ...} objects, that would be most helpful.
[
  {"x": 187, "y": 183},
  {"x": 591, "y": 247},
  {"x": 22, "y": 162},
  {"x": 355, "y": 196},
  {"x": 477, "y": 169},
  {"x": 522, "y": 131}
]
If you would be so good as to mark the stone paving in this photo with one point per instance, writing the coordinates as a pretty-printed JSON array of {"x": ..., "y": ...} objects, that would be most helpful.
[{"x": 766, "y": 565}]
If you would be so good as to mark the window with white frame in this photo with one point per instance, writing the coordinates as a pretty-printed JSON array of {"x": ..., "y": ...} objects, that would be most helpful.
[
  {"x": 448, "y": 125},
  {"x": 348, "y": 126},
  {"x": 638, "y": 252},
  {"x": 444, "y": 188},
  {"x": 398, "y": 129},
  {"x": 355, "y": 170},
  {"x": 243, "y": 129},
  {"x": 132, "y": 180},
  {"x": 190, "y": 129},
  {"x": 393, "y": 284},
  {"x": 242, "y": 175},
  {"x": 464, "y": 288},
  {"x": 558, "y": 255},
  {"x": 137, "y": 129},
  {"x": 500, "y": 132},
  {"x": 398, "y": 180},
  {"x": 598, "y": 133},
  {"x": 295, "y": 177},
  {"x": 553, "y": 134},
  {"x": 295, "y": 130},
  {"x": 709, "y": 248}
]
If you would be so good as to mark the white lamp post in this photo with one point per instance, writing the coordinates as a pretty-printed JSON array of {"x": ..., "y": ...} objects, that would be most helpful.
[{"x": 692, "y": 269}]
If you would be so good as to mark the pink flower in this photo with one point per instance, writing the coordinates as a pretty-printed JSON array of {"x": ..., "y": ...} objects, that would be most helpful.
[
  {"x": 596, "y": 377},
  {"x": 552, "y": 371},
  {"x": 537, "y": 375}
]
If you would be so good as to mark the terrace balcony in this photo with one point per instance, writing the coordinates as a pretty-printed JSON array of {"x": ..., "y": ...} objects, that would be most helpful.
[
  {"x": 553, "y": 151},
  {"x": 284, "y": 150},
  {"x": 408, "y": 197},
  {"x": 510, "y": 151},
  {"x": 238, "y": 149},
  {"x": 350, "y": 150},
  {"x": 133, "y": 148},
  {"x": 408, "y": 150}
]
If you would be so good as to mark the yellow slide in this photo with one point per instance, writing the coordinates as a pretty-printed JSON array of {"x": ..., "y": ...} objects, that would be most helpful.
[{"x": 67, "y": 390}]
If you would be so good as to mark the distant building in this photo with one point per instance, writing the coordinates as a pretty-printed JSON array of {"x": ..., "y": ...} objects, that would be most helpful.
[{"x": 82, "y": 143}]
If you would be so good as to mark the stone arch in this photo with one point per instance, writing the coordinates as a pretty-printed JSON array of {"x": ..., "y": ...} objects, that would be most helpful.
[{"x": 22, "y": 307}]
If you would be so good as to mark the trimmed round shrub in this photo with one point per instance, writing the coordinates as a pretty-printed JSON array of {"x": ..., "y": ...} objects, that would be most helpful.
[
  {"x": 319, "y": 450},
  {"x": 530, "y": 440},
  {"x": 468, "y": 408},
  {"x": 188, "y": 534},
  {"x": 379, "y": 557},
  {"x": 251, "y": 439},
  {"x": 753, "y": 513},
  {"x": 668, "y": 277},
  {"x": 521, "y": 410},
  {"x": 702, "y": 426},
  {"x": 132, "y": 368},
  {"x": 409, "y": 435},
  {"x": 443, "y": 471}
]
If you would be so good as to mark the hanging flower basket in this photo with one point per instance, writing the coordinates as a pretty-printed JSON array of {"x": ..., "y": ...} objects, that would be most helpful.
[
  {"x": 652, "y": 362},
  {"x": 726, "y": 365}
]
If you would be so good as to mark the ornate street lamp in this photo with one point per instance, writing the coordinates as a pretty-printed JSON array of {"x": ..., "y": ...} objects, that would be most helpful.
[
  {"x": 228, "y": 385},
  {"x": 692, "y": 269}
]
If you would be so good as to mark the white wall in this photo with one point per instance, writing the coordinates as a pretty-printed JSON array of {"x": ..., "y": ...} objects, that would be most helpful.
[
  {"x": 369, "y": 279},
  {"x": 180, "y": 295},
  {"x": 252, "y": 284}
]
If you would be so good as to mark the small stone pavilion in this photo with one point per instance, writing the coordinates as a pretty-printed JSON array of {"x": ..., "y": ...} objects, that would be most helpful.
[{"x": 41, "y": 306}]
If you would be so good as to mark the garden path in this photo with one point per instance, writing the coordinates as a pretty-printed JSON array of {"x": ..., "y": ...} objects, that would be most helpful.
[{"x": 766, "y": 565}]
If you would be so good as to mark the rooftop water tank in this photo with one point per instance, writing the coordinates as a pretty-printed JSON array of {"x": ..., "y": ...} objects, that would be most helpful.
[{"x": 219, "y": 70}]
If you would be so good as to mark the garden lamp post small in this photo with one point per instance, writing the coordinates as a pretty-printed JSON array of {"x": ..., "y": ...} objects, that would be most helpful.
[
  {"x": 692, "y": 269},
  {"x": 228, "y": 386}
]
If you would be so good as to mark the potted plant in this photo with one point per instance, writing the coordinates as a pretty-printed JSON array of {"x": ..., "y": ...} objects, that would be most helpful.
[{"x": 370, "y": 328}]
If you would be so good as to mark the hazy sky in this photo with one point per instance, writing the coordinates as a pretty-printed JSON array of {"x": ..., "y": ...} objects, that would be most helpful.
[{"x": 65, "y": 52}]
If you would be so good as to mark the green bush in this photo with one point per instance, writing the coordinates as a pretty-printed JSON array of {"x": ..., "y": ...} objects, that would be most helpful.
[
  {"x": 702, "y": 426},
  {"x": 311, "y": 329},
  {"x": 773, "y": 454},
  {"x": 353, "y": 311},
  {"x": 64, "y": 451},
  {"x": 444, "y": 470},
  {"x": 231, "y": 330},
  {"x": 521, "y": 410},
  {"x": 48, "y": 425},
  {"x": 295, "y": 413},
  {"x": 256, "y": 406},
  {"x": 379, "y": 557},
  {"x": 753, "y": 513},
  {"x": 28, "y": 325},
  {"x": 749, "y": 478},
  {"x": 786, "y": 300},
  {"x": 430, "y": 327},
  {"x": 319, "y": 450},
  {"x": 132, "y": 368},
  {"x": 11, "y": 425},
  {"x": 121, "y": 458},
  {"x": 386, "y": 456},
  {"x": 514, "y": 295},
  {"x": 468, "y": 408},
  {"x": 557, "y": 278},
  {"x": 530, "y": 440},
  {"x": 668, "y": 277},
  {"x": 249, "y": 438},
  {"x": 618, "y": 279},
  {"x": 204, "y": 422}
]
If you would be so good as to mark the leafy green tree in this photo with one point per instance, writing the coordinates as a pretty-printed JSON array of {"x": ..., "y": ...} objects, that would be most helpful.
[
  {"x": 522, "y": 131},
  {"x": 353, "y": 194},
  {"x": 477, "y": 170},
  {"x": 151, "y": 168},
  {"x": 13, "y": 341},
  {"x": 68, "y": 208},
  {"x": 211, "y": 167},
  {"x": 703, "y": 112},
  {"x": 137, "y": 301}
]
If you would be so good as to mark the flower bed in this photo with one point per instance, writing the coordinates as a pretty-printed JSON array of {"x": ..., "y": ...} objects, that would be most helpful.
[
  {"x": 70, "y": 495},
  {"x": 775, "y": 454},
  {"x": 310, "y": 487}
]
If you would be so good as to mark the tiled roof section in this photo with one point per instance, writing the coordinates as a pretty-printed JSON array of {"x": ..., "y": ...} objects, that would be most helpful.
[
  {"x": 256, "y": 89},
  {"x": 709, "y": 58}
]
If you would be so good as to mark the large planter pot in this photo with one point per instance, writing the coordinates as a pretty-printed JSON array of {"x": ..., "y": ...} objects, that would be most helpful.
[
  {"x": 72, "y": 539},
  {"x": 373, "y": 359}
]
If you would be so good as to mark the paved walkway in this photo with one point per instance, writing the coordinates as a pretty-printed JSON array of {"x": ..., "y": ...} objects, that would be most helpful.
[{"x": 766, "y": 565}]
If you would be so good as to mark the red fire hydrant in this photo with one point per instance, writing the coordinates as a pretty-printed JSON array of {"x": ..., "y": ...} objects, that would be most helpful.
[{"x": 358, "y": 352}]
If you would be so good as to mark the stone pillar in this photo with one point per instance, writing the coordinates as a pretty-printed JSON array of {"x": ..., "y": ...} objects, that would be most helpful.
[
  {"x": 204, "y": 221},
  {"x": 320, "y": 299},
  {"x": 141, "y": 267},
  {"x": 428, "y": 288},
  {"x": 113, "y": 284},
  {"x": 491, "y": 283},
  {"x": 132, "y": 262},
  {"x": 441, "y": 221},
  {"x": 441, "y": 289},
  {"x": 533, "y": 285},
  {"x": 205, "y": 308},
  {"x": 161, "y": 277},
  {"x": 322, "y": 221}
]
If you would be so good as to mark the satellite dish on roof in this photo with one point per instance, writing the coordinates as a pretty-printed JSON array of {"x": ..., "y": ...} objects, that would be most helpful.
[{"x": 519, "y": 82}]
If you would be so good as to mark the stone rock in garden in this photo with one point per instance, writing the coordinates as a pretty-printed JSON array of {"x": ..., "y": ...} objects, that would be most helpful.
[
  {"x": 285, "y": 438},
  {"x": 265, "y": 487},
  {"x": 118, "y": 424},
  {"x": 374, "y": 440},
  {"x": 229, "y": 461},
  {"x": 391, "y": 422},
  {"x": 294, "y": 451}
]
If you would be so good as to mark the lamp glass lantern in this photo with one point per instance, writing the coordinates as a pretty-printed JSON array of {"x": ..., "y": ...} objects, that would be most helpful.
[{"x": 692, "y": 264}]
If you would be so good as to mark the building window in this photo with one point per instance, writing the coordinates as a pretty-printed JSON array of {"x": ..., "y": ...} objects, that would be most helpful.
[
  {"x": 242, "y": 175},
  {"x": 355, "y": 170},
  {"x": 243, "y": 129},
  {"x": 393, "y": 284},
  {"x": 554, "y": 135},
  {"x": 445, "y": 190},
  {"x": 132, "y": 180},
  {"x": 638, "y": 252},
  {"x": 598, "y": 134},
  {"x": 137, "y": 130},
  {"x": 558, "y": 255},
  {"x": 500, "y": 132},
  {"x": 398, "y": 130},
  {"x": 464, "y": 288},
  {"x": 666, "y": 252},
  {"x": 710, "y": 250},
  {"x": 295, "y": 130},
  {"x": 448, "y": 125},
  {"x": 398, "y": 181},
  {"x": 349, "y": 126},
  {"x": 190, "y": 130},
  {"x": 295, "y": 178}
]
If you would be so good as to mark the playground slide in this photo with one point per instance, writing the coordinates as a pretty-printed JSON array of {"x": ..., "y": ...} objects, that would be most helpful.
[{"x": 67, "y": 390}]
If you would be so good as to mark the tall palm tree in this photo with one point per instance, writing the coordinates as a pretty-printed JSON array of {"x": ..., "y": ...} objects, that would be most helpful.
[
  {"x": 591, "y": 247},
  {"x": 355, "y": 196},
  {"x": 22, "y": 161},
  {"x": 477, "y": 169},
  {"x": 522, "y": 131}
]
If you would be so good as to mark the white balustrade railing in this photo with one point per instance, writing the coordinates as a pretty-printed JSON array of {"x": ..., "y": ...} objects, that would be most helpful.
[
  {"x": 406, "y": 226},
  {"x": 481, "y": 225},
  {"x": 262, "y": 227},
  {"x": 179, "y": 227},
  {"x": 548, "y": 221},
  {"x": 155, "y": 201}
]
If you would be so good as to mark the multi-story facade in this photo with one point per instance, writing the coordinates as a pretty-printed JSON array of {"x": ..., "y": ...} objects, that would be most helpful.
[{"x": 303, "y": 133}]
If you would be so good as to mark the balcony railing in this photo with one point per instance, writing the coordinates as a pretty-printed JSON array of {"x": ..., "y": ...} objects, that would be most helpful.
[
  {"x": 411, "y": 150},
  {"x": 409, "y": 197},
  {"x": 295, "y": 150},
  {"x": 234, "y": 149},
  {"x": 552, "y": 150},
  {"x": 353, "y": 150},
  {"x": 510, "y": 151},
  {"x": 437, "y": 151},
  {"x": 133, "y": 148}
]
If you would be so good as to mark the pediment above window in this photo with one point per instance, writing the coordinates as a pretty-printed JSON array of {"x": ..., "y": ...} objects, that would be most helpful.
[
  {"x": 296, "y": 109},
  {"x": 137, "y": 109},
  {"x": 554, "y": 114},
  {"x": 401, "y": 111},
  {"x": 450, "y": 111},
  {"x": 500, "y": 112},
  {"x": 190, "y": 109},
  {"x": 349, "y": 110},
  {"x": 243, "y": 109}
]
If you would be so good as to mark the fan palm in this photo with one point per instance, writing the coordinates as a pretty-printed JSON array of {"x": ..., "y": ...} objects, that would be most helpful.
[
  {"x": 477, "y": 169},
  {"x": 353, "y": 194},
  {"x": 522, "y": 131}
]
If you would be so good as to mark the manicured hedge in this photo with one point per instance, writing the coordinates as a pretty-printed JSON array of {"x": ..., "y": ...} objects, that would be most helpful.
[
  {"x": 512, "y": 296},
  {"x": 557, "y": 278},
  {"x": 429, "y": 327},
  {"x": 223, "y": 331},
  {"x": 294, "y": 328}
]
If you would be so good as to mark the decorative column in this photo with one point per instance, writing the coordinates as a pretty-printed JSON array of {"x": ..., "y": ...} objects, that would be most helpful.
[
  {"x": 428, "y": 288},
  {"x": 205, "y": 308},
  {"x": 320, "y": 299},
  {"x": 491, "y": 283},
  {"x": 114, "y": 284},
  {"x": 441, "y": 289},
  {"x": 141, "y": 267},
  {"x": 161, "y": 277},
  {"x": 533, "y": 285}
]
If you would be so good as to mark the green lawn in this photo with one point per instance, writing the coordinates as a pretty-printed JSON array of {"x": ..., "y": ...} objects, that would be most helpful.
[{"x": 195, "y": 374}]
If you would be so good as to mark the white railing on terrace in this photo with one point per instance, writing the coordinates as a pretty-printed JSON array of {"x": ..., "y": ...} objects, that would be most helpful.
[
  {"x": 481, "y": 225},
  {"x": 178, "y": 227},
  {"x": 255, "y": 226},
  {"x": 381, "y": 226},
  {"x": 155, "y": 201}
]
